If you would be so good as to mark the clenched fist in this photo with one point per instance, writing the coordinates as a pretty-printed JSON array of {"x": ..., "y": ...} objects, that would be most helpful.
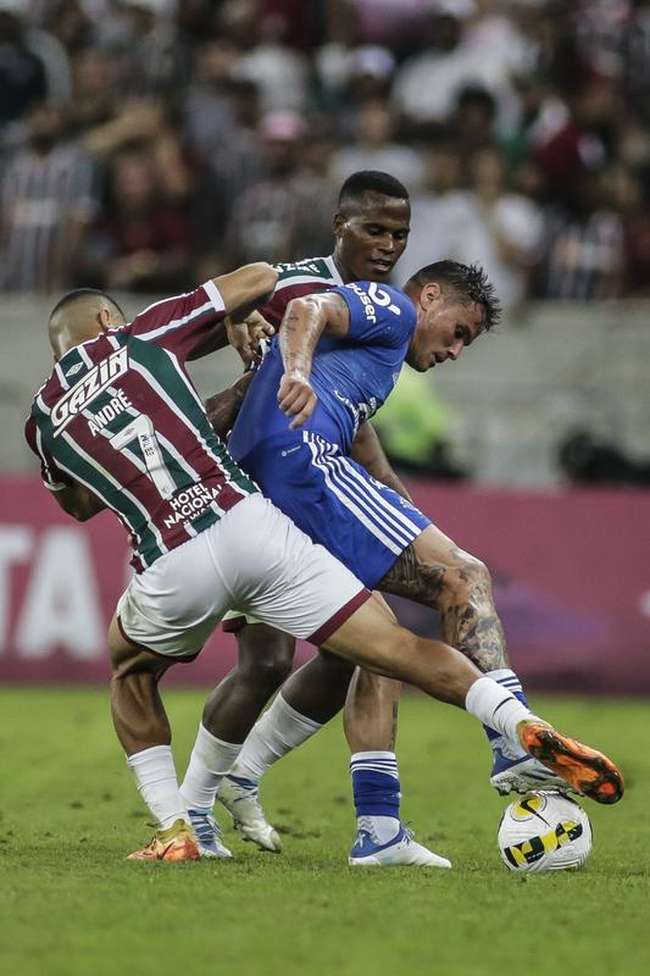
[{"x": 296, "y": 398}]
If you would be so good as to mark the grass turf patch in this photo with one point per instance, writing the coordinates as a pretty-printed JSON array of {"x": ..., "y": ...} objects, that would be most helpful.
[{"x": 71, "y": 905}]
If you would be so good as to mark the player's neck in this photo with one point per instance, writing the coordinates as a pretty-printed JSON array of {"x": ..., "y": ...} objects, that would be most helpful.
[{"x": 346, "y": 275}]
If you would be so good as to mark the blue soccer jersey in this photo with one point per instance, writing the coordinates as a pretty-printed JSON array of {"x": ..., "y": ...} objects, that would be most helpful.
[
  {"x": 307, "y": 472},
  {"x": 351, "y": 376}
]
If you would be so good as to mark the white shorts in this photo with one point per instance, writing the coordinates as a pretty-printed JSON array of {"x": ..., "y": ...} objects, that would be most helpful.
[{"x": 254, "y": 559}]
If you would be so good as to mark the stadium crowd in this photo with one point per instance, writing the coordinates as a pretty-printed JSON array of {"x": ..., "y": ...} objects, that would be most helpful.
[{"x": 148, "y": 143}]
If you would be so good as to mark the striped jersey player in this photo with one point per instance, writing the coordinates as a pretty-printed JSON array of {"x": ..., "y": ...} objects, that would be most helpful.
[
  {"x": 120, "y": 415},
  {"x": 119, "y": 419}
]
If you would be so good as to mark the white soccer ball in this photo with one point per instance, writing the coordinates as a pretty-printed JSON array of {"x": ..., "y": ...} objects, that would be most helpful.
[{"x": 544, "y": 832}]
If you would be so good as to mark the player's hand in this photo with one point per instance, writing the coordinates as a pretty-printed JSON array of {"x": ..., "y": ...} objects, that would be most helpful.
[
  {"x": 296, "y": 398},
  {"x": 245, "y": 336}
]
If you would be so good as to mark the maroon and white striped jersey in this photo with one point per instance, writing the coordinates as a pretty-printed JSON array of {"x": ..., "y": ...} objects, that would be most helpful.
[
  {"x": 120, "y": 415},
  {"x": 297, "y": 279}
]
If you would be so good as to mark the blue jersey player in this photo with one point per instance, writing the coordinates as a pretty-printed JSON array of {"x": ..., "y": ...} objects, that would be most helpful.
[
  {"x": 333, "y": 364},
  {"x": 307, "y": 470}
]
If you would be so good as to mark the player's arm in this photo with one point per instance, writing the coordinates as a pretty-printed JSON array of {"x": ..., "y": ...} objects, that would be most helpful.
[
  {"x": 241, "y": 292},
  {"x": 223, "y": 407},
  {"x": 78, "y": 501},
  {"x": 305, "y": 321},
  {"x": 367, "y": 451}
]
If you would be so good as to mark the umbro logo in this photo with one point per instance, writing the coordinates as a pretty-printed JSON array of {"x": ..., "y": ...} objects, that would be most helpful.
[{"x": 74, "y": 369}]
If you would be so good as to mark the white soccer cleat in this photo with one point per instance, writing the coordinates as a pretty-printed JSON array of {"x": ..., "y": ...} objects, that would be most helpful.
[
  {"x": 525, "y": 774},
  {"x": 241, "y": 799},
  {"x": 403, "y": 850}
]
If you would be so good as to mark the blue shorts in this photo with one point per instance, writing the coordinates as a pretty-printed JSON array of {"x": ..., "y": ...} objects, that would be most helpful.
[{"x": 336, "y": 502}]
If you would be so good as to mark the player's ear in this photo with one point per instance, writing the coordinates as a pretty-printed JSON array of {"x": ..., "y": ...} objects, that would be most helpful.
[
  {"x": 338, "y": 223},
  {"x": 430, "y": 293},
  {"x": 105, "y": 318}
]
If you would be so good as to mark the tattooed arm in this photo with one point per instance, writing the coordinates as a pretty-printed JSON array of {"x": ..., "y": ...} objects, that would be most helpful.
[
  {"x": 367, "y": 450},
  {"x": 304, "y": 322}
]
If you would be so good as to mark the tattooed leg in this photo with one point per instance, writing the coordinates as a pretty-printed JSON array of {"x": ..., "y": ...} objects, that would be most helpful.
[{"x": 434, "y": 571}]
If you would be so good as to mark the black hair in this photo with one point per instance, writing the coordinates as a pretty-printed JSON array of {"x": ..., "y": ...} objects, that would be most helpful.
[
  {"x": 467, "y": 281},
  {"x": 372, "y": 181},
  {"x": 73, "y": 296}
]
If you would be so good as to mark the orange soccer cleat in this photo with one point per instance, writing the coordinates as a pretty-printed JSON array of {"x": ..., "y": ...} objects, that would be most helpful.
[
  {"x": 585, "y": 770},
  {"x": 177, "y": 843}
]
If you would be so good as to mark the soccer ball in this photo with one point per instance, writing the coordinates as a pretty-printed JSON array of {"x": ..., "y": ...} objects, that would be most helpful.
[{"x": 544, "y": 832}]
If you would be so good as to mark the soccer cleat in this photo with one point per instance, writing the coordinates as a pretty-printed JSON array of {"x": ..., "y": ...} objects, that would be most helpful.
[
  {"x": 403, "y": 850},
  {"x": 177, "y": 843},
  {"x": 584, "y": 769},
  {"x": 523, "y": 774},
  {"x": 241, "y": 799},
  {"x": 208, "y": 833}
]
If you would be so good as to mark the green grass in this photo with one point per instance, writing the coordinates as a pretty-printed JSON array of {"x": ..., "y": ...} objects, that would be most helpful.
[{"x": 71, "y": 906}]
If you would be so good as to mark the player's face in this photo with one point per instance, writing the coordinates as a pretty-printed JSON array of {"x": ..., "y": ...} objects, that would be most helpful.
[
  {"x": 371, "y": 236},
  {"x": 445, "y": 327}
]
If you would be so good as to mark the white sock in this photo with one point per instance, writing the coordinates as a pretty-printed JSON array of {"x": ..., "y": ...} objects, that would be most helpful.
[
  {"x": 211, "y": 759},
  {"x": 497, "y": 707},
  {"x": 279, "y": 730},
  {"x": 155, "y": 777}
]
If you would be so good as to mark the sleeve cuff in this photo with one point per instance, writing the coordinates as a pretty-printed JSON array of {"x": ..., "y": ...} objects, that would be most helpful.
[
  {"x": 214, "y": 295},
  {"x": 55, "y": 485}
]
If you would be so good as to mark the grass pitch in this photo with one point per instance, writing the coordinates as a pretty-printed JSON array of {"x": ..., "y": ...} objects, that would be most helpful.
[{"x": 71, "y": 906}]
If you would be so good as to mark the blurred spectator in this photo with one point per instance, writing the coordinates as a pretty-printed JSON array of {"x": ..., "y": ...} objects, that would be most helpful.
[
  {"x": 375, "y": 149},
  {"x": 153, "y": 57},
  {"x": 414, "y": 88},
  {"x": 94, "y": 98},
  {"x": 500, "y": 230},
  {"x": 578, "y": 137},
  {"x": 636, "y": 59},
  {"x": 47, "y": 201},
  {"x": 583, "y": 249},
  {"x": 435, "y": 211},
  {"x": 632, "y": 201},
  {"x": 428, "y": 84},
  {"x": 473, "y": 120},
  {"x": 265, "y": 218},
  {"x": 279, "y": 71},
  {"x": 230, "y": 162},
  {"x": 142, "y": 243},
  {"x": 208, "y": 111},
  {"x": 68, "y": 21},
  {"x": 23, "y": 78},
  {"x": 350, "y": 77}
]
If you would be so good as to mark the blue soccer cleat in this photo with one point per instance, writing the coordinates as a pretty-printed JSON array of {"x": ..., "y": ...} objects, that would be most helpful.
[
  {"x": 208, "y": 833},
  {"x": 523, "y": 773},
  {"x": 403, "y": 850}
]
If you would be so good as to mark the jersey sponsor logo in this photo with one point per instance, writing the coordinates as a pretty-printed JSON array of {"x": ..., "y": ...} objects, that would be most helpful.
[
  {"x": 190, "y": 503},
  {"x": 383, "y": 299},
  {"x": 81, "y": 395},
  {"x": 306, "y": 266},
  {"x": 118, "y": 404},
  {"x": 374, "y": 296}
]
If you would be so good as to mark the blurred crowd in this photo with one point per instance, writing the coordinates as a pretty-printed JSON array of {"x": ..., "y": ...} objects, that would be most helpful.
[{"x": 145, "y": 144}]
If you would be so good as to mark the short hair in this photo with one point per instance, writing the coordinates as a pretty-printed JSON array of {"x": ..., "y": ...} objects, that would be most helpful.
[
  {"x": 371, "y": 181},
  {"x": 466, "y": 281},
  {"x": 78, "y": 293}
]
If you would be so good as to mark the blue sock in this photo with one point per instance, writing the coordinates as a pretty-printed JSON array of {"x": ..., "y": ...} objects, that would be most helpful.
[
  {"x": 507, "y": 679},
  {"x": 375, "y": 783}
]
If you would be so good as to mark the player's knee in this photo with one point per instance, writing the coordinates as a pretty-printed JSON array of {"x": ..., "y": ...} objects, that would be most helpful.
[
  {"x": 468, "y": 582},
  {"x": 265, "y": 657}
]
